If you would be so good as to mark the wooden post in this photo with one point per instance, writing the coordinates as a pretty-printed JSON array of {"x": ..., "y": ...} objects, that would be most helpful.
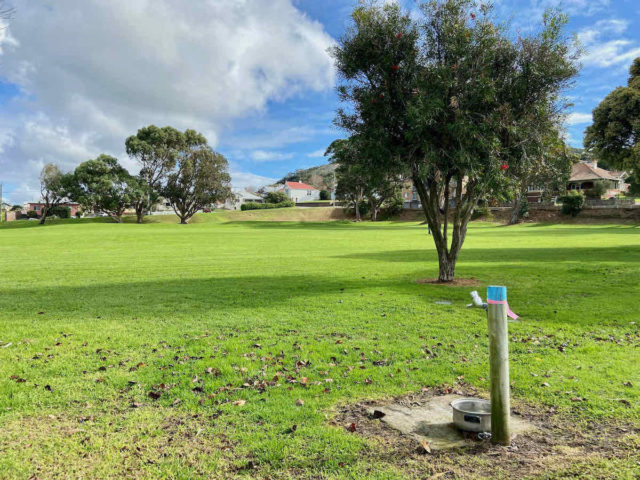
[{"x": 499, "y": 364}]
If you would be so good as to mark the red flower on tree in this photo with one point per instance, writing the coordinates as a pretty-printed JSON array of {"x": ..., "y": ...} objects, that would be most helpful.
[
  {"x": 399, "y": 35},
  {"x": 396, "y": 68},
  {"x": 504, "y": 166},
  {"x": 473, "y": 16}
]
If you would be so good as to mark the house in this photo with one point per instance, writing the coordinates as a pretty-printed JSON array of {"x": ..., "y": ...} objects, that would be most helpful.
[
  {"x": 410, "y": 196},
  {"x": 300, "y": 192},
  {"x": 38, "y": 207},
  {"x": 584, "y": 175},
  {"x": 240, "y": 196}
]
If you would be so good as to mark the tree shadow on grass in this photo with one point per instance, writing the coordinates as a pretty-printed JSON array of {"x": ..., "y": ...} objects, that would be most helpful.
[{"x": 626, "y": 253}]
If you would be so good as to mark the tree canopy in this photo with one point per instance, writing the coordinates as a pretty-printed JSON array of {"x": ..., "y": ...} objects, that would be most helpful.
[
  {"x": 614, "y": 135},
  {"x": 451, "y": 99},
  {"x": 103, "y": 185},
  {"x": 52, "y": 189},
  {"x": 200, "y": 178},
  {"x": 156, "y": 150}
]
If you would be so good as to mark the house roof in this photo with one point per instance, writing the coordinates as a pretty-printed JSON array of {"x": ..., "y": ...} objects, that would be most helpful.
[
  {"x": 299, "y": 186},
  {"x": 241, "y": 192},
  {"x": 584, "y": 171}
]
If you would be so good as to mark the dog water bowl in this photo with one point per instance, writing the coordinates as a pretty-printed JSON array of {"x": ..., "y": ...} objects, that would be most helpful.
[{"x": 472, "y": 414}]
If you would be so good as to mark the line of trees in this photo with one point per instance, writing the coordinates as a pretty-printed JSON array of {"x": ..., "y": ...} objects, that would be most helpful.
[
  {"x": 447, "y": 96},
  {"x": 179, "y": 166}
]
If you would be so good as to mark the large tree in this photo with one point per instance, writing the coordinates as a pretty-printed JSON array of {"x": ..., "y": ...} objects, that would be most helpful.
[
  {"x": 52, "y": 189},
  {"x": 449, "y": 97},
  {"x": 103, "y": 185},
  {"x": 200, "y": 179},
  {"x": 156, "y": 150},
  {"x": 614, "y": 135}
]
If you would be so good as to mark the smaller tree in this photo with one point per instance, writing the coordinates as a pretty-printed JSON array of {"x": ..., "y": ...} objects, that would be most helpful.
[
  {"x": 351, "y": 179},
  {"x": 201, "y": 178},
  {"x": 276, "y": 197},
  {"x": 52, "y": 189},
  {"x": 325, "y": 195},
  {"x": 103, "y": 185}
]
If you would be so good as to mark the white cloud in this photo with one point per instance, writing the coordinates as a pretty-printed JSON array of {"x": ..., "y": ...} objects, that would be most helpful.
[
  {"x": 317, "y": 154},
  {"x": 245, "y": 179},
  {"x": 265, "y": 156},
  {"x": 577, "y": 118},
  {"x": 93, "y": 72},
  {"x": 606, "y": 52}
]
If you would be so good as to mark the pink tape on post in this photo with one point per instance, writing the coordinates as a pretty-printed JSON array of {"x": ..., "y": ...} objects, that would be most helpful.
[{"x": 504, "y": 302}]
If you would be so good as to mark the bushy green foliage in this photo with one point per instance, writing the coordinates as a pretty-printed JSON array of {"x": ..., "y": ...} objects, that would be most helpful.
[
  {"x": 60, "y": 212},
  {"x": 394, "y": 206},
  {"x": 276, "y": 197},
  {"x": 32, "y": 214},
  {"x": 482, "y": 211},
  {"x": 264, "y": 206},
  {"x": 325, "y": 195},
  {"x": 572, "y": 203},
  {"x": 598, "y": 190},
  {"x": 78, "y": 214}
]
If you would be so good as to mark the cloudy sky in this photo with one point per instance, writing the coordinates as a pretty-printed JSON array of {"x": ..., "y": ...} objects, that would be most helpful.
[{"x": 78, "y": 76}]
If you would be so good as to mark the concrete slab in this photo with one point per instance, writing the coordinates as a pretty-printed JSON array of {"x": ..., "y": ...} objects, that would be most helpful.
[{"x": 433, "y": 422}]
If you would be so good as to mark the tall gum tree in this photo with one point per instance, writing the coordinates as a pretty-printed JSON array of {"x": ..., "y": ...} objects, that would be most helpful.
[{"x": 450, "y": 99}]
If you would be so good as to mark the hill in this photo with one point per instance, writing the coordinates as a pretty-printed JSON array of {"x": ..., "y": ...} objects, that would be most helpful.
[{"x": 320, "y": 177}]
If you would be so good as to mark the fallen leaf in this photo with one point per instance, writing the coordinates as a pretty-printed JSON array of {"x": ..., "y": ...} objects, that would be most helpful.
[
  {"x": 239, "y": 403},
  {"x": 154, "y": 394},
  {"x": 352, "y": 427},
  {"x": 299, "y": 402},
  {"x": 424, "y": 447}
]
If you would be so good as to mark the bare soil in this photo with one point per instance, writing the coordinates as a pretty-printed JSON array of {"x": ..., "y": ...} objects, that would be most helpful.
[
  {"x": 561, "y": 447},
  {"x": 457, "y": 282}
]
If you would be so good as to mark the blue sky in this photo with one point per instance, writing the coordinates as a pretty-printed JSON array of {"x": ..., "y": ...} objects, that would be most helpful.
[{"x": 253, "y": 76}]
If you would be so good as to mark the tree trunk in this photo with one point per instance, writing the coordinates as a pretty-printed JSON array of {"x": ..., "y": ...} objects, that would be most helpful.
[
  {"x": 514, "y": 217},
  {"x": 183, "y": 220},
  {"x": 118, "y": 218},
  {"x": 140, "y": 209},
  {"x": 446, "y": 267},
  {"x": 44, "y": 218},
  {"x": 357, "y": 209},
  {"x": 374, "y": 210}
]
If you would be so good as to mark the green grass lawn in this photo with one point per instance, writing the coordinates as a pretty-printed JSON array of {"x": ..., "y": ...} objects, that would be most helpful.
[{"x": 229, "y": 324}]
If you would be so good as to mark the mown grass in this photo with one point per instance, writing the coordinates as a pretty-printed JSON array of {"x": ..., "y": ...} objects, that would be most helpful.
[{"x": 230, "y": 323}]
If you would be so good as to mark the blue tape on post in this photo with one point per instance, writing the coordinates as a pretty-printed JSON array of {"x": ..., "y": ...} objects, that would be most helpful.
[{"x": 496, "y": 294}]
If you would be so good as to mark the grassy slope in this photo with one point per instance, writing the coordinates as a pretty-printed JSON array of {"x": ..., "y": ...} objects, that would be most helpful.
[{"x": 159, "y": 303}]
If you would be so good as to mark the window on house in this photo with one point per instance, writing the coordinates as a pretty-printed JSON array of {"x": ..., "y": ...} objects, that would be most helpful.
[{"x": 308, "y": 192}]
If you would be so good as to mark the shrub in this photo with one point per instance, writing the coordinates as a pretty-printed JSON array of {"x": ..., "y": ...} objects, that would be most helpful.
[
  {"x": 325, "y": 195},
  {"x": 572, "y": 203},
  {"x": 32, "y": 214},
  {"x": 482, "y": 211},
  {"x": 78, "y": 214},
  {"x": 264, "y": 206},
  {"x": 394, "y": 206},
  {"x": 61, "y": 212},
  {"x": 275, "y": 197},
  {"x": 598, "y": 190}
]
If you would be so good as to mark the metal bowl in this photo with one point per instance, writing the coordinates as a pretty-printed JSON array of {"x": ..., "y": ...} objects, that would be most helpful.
[{"x": 472, "y": 414}]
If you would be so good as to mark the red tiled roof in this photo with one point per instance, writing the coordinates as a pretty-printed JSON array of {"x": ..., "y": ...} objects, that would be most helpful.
[{"x": 299, "y": 186}]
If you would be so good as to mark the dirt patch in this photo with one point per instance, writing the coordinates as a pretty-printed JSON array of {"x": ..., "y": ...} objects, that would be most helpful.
[
  {"x": 457, "y": 282},
  {"x": 559, "y": 447}
]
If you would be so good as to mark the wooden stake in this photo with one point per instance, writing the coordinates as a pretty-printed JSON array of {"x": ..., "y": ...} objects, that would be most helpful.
[{"x": 499, "y": 365}]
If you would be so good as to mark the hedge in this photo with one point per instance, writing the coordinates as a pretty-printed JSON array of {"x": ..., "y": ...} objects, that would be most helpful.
[{"x": 263, "y": 206}]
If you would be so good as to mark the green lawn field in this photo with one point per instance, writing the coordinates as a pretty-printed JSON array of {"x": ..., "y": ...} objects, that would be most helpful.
[{"x": 224, "y": 348}]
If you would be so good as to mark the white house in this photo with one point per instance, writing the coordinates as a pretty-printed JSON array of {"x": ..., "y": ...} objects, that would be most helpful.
[
  {"x": 240, "y": 196},
  {"x": 300, "y": 192}
]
